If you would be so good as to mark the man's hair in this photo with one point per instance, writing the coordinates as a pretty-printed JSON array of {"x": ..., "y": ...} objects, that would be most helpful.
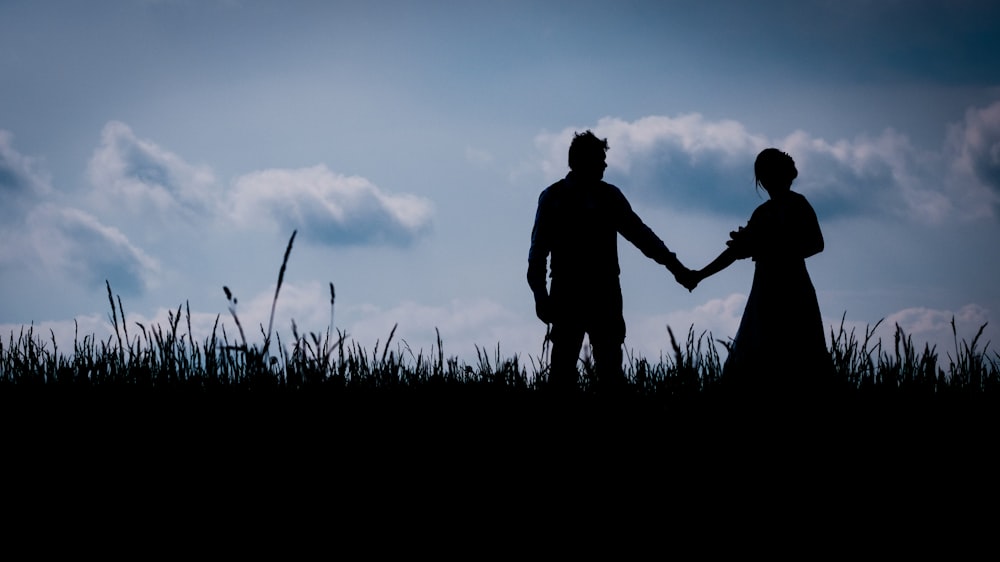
[{"x": 585, "y": 148}]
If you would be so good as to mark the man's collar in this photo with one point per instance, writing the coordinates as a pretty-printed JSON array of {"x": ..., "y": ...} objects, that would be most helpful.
[{"x": 577, "y": 177}]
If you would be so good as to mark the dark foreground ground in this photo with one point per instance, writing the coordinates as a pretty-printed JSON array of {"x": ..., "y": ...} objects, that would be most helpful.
[
  {"x": 429, "y": 427},
  {"x": 175, "y": 466}
]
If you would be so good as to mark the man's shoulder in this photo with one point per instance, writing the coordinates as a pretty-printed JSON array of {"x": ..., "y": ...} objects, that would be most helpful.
[
  {"x": 610, "y": 187},
  {"x": 565, "y": 187},
  {"x": 610, "y": 194},
  {"x": 555, "y": 186},
  {"x": 552, "y": 190}
]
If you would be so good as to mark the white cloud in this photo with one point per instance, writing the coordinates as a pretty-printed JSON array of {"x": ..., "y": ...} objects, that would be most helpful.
[
  {"x": 329, "y": 207},
  {"x": 720, "y": 318},
  {"x": 975, "y": 149},
  {"x": 687, "y": 137},
  {"x": 685, "y": 161},
  {"x": 139, "y": 326},
  {"x": 882, "y": 175},
  {"x": 62, "y": 242},
  {"x": 464, "y": 325},
  {"x": 693, "y": 162},
  {"x": 22, "y": 184},
  {"x": 307, "y": 304},
  {"x": 98, "y": 327},
  {"x": 137, "y": 176},
  {"x": 73, "y": 244},
  {"x": 65, "y": 332},
  {"x": 934, "y": 326}
]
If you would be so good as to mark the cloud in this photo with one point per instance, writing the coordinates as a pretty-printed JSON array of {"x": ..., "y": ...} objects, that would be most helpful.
[
  {"x": 686, "y": 138},
  {"x": 133, "y": 177},
  {"x": 691, "y": 162},
  {"x": 65, "y": 332},
  {"x": 74, "y": 244},
  {"x": 882, "y": 175},
  {"x": 685, "y": 161},
  {"x": 464, "y": 326},
  {"x": 720, "y": 318},
  {"x": 22, "y": 184},
  {"x": 975, "y": 149},
  {"x": 306, "y": 304},
  {"x": 100, "y": 328},
  {"x": 137, "y": 176},
  {"x": 59, "y": 241},
  {"x": 329, "y": 208},
  {"x": 934, "y": 327}
]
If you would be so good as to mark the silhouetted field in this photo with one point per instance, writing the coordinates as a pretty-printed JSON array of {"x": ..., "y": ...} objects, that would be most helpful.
[
  {"x": 189, "y": 423},
  {"x": 154, "y": 398},
  {"x": 162, "y": 374}
]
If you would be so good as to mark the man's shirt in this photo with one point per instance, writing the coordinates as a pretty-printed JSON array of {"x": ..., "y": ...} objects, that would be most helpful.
[{"x": 577, "y": 223}]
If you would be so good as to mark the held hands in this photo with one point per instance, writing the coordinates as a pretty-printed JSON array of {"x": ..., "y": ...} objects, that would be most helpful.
[{"x": 688, "y": 278}]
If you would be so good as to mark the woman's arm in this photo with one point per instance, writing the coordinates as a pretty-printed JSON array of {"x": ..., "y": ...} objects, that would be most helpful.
[
  {"x": 738, "y": 247},
  {"x": 724, "y": 260}
]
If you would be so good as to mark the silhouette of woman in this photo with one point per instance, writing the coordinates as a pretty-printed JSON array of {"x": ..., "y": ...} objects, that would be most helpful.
[{"x": 780, "y": 345}]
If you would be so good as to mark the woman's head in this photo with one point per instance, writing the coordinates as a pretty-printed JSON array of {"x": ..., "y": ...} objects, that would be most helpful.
[{"x": 774, "y": 170}]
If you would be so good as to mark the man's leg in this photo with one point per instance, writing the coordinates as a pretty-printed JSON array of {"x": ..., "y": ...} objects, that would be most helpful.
[
  {"x": 608, "y": 359},
  {"x": 607, "y": 337},
  {"x": 566, "y": 342}
]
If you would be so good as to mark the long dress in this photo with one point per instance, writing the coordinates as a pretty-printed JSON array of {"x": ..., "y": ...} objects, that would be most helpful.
[{"x": 780, "y": 345}]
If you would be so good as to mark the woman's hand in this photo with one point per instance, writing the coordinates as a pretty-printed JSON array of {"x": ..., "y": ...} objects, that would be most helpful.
[{"x": 689, "y": 278}]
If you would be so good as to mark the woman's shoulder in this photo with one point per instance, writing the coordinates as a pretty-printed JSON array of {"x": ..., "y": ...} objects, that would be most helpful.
[
  {"x": 788, "y": 199},
  {"x": 762, "y": 210},
  {"x": 798, "y": 198},
  {"x": 801, "y": 203}
]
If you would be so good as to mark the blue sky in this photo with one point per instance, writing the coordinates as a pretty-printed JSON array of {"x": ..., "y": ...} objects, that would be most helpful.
[{"x": 171, "y": 147}]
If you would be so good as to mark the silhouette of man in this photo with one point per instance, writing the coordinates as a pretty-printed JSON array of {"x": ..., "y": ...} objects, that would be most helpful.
[{"x": 577, "y": 222}]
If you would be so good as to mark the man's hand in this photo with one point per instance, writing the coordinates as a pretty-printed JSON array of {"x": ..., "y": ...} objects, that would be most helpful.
[
  {"x": 688, "y": 278},
  {"x": 543, "y": 308}
]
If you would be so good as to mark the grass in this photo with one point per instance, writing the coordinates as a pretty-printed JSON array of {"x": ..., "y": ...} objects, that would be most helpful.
[
  {"x": 152, "y": 403},
  {"x": 151, "y": 406},
  {"x": 158, "y": 358}
]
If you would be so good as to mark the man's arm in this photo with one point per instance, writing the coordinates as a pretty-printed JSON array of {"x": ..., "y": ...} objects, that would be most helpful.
[
  {"x": 538, "y": 254},
  {"x": 642, "y": 237}
]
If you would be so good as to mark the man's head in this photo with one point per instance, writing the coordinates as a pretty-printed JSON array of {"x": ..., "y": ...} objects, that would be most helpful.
[{"x": 587, "y": 155}]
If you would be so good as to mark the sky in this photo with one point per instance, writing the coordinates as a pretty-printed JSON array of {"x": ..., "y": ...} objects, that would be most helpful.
[{"x": 170, "y": 148}]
